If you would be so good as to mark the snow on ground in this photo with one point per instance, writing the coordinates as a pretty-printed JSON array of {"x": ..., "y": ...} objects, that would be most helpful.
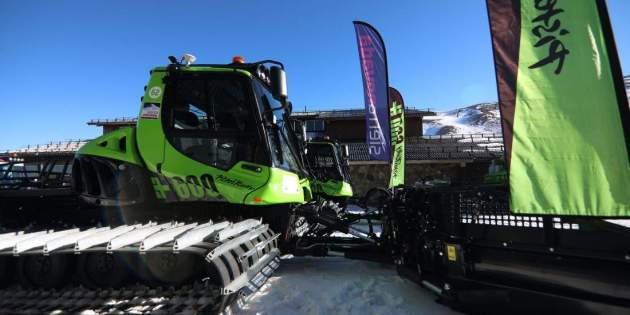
[
  {"x": 479, "y": 118},
  {"x": 361, "y": 226},
  {"x": 336, "y": 285},
  {"x": 622, "y": 222}
]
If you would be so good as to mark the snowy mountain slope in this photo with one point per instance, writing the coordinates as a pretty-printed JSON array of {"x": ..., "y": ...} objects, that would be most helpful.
[
  {"x": 478, "y": 118},
  {"x": 335, "y": 285}
]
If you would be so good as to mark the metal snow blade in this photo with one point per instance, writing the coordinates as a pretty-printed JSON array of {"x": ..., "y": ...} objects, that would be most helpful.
[
  {"x": 253, "y": 271},
  {"x": 135, "y": 236},
  {"x": 259, "y": 280},
  {"x": 197, "y": 235},
  {"x": 237, "y": 228},
  {"x": 102, "y": 237},
  {"x": 165, "y": 236},
  {"x": 69, "y": 240},
  {"x": 243, "y": 253},
  {"x": 10, "y": 241},
  {"x": 258, "y": 245},
  {"x": 39, "y": 241}
]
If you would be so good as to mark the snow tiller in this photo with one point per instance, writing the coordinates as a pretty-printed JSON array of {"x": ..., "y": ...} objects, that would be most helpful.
[{"x": 196, "y": 201}]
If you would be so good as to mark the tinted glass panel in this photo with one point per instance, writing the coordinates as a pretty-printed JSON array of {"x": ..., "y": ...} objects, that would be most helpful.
[
  {"x": 211, "y": 119},
  {"x": 282, "y": 141},
  {"x": 323, "y": 162}
]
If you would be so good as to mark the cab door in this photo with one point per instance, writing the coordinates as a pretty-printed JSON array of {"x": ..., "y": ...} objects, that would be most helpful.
[
  {"x": 149, "y": 129},
  {"x": 212, "y": 150}
]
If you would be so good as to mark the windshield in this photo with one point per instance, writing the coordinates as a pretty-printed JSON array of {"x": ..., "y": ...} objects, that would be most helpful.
[
  {"x": 210, "y": 118},
  {"x": 323, "y": 161},
  {"x": 282, "y": 142}
]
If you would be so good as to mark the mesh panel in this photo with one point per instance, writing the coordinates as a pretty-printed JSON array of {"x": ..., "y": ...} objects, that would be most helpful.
[
  {"x": 490, "y": 207},
  {"x": 452, "y": 147}
]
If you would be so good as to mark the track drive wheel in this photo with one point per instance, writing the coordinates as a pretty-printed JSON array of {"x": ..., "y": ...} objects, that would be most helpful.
[
  {"x": 6, "y": 271},
  {"x": 102, "y": 270},
  {"x": 44, "y": 271},
  {"x": 174, "y": 269}
]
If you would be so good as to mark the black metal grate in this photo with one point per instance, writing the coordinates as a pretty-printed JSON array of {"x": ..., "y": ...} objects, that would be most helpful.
[
  {"x": 450, "y": 147},
  {"x": 490, "y": 207},
  {"x": 504, "y": 220},
  {"x": 565, "y": 224}
]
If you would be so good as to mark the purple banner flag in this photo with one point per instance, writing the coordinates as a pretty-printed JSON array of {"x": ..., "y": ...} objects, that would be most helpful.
[{"x": 374, "y": 71}]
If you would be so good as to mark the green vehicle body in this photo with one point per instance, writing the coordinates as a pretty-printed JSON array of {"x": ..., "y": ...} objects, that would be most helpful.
[
  {"x": 497, "y": 174},
  {"x": 330, "y": 168},
  {"x": 333, "y": 188},
  {"x": 174, "y": 175}
]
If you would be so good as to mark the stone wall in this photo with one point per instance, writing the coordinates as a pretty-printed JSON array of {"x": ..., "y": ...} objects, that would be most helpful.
[{"x": 366, "y": 175}]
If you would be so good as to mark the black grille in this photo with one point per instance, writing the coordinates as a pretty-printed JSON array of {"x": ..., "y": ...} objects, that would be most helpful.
[{"x": 489, "y": 206}]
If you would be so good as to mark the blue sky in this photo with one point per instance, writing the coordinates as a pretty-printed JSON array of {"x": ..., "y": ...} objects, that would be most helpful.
[{"x": 65, "y": 62}]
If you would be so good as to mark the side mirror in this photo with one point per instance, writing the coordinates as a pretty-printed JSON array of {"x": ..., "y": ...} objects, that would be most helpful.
[
  {"x": 278, "y": 82},
  {"x": 289, "y": 107}
]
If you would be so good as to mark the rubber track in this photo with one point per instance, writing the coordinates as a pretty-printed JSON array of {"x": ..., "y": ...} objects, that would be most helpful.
[
  {"x": 249, "y": 246},
  {"x": 197, "y": 298}
]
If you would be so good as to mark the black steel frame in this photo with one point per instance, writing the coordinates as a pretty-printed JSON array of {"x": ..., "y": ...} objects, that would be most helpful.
[{"x": 463, "y": 243}]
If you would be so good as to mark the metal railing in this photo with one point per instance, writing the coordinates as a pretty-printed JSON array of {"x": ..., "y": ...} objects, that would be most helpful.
[
  {"x": 441, "y": 147},
  {"x": 68, "y": 146},
  {"x": 119, "y": 120},
  {"x": 448, "y": 147},
  {"x": 345, "y": 113}
]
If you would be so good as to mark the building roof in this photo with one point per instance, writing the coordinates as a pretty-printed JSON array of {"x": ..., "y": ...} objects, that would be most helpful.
[
  {"x": 52, "y": 148},
  {"x": 122, "y": 121},
  {"x": 354, "y": 114},
  {"x": 323, "y": 114}
]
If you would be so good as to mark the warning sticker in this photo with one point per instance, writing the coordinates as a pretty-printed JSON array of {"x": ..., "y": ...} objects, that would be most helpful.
[
  {"x": 155, "y": 92},
  {"x": 150, "y": 110},
  {"x": 451, "y": 253}
]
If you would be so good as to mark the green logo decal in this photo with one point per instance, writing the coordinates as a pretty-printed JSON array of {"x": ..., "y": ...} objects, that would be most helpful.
[{"x": 155, "y": 92}]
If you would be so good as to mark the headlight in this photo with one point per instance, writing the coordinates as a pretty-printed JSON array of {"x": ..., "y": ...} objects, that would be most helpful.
[{"x": 290, "y": 185}]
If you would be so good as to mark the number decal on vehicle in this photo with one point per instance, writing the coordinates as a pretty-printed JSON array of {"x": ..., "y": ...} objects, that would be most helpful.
[
  {"x": 181, "y": 188},
  {"x": 196, "y": 189},
  {"x": 208, "y": 182},
  {"x": 192, "y": 188}
]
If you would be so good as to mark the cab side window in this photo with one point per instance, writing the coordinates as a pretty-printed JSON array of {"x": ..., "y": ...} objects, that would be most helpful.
[{"x": 211, "y": 120}]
